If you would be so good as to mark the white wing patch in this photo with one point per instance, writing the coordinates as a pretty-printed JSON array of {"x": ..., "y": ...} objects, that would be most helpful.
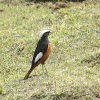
[{"x": 39, "y": 55}]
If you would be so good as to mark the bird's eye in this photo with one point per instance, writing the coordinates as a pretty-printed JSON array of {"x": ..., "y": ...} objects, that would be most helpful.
[{"x": 47, "y": 32}]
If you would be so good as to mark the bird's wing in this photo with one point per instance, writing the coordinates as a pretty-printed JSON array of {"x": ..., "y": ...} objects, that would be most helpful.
[
  {"x": 39, "y": 55},
  {"x": 39, "y": 52}
]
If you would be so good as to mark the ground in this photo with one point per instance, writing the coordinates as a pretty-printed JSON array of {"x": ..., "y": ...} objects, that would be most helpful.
[{"x": 74, "y": 64}]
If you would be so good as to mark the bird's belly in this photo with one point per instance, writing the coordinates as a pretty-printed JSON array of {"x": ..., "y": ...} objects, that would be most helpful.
[{"x": 46, "y": 55}]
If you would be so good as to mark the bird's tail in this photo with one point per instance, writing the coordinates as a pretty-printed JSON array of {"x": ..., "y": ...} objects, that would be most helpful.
[
  {"x": 27, "y": 75},
  {"x": 31, "y": 69}
]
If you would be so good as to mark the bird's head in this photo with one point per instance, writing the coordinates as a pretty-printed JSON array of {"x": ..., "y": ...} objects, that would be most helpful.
[{"x": 44, "y": 34}]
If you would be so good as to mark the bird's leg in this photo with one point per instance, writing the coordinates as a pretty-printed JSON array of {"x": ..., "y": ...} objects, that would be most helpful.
[
  {"x": 45, "y": 68},
  {"x": 42, "y": 68},
  {"x": 43, "y": 65}
]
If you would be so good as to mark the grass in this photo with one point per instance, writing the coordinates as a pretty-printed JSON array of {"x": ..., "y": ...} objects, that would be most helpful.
[{"x": 74, "y": 64}]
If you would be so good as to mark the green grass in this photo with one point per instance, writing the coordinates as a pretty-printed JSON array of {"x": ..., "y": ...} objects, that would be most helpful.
[{"x": 74, "y": 64}]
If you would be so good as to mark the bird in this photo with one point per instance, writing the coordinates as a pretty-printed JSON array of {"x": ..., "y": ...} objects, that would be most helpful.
[{"x": 42, "y": 51}]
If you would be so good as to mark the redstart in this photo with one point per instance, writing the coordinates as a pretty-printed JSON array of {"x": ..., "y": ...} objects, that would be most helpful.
[{"x": 42, "y": 51}]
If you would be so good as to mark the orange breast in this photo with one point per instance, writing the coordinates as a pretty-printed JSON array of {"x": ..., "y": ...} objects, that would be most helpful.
[{"x": 46, "y": 55}]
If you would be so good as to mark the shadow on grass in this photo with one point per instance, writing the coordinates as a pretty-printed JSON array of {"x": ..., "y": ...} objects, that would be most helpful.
[
  {"x": 54, "y": 0},
  {"x": 62, "y": 96},
  {"x": 93, "y": 59},
  {"x": 32, "y": 76}
]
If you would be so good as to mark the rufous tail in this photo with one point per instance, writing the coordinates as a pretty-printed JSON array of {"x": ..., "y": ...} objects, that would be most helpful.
[{"x": 27, "y": 75}]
